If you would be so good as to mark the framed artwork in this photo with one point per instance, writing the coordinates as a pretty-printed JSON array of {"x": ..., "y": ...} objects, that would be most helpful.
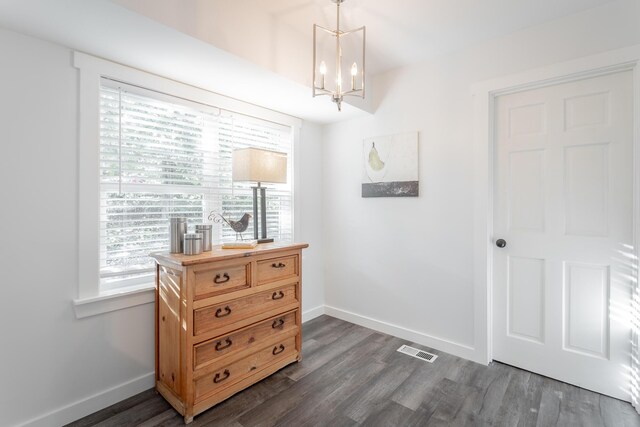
[{"x": 390, "y": 166}]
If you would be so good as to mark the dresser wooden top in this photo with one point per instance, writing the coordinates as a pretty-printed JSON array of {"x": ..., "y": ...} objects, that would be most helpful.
[{"x": 219, "y": 254}]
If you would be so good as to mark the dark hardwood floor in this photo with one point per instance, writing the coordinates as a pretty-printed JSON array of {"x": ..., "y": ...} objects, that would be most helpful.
[{"x": 351, "y": 376}]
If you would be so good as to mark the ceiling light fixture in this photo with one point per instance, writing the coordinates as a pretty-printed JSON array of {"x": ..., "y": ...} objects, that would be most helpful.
[{"x": 320, "y": 71}]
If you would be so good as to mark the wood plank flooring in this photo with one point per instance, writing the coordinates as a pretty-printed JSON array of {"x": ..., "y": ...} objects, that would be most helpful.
[{"x": 352, "y": 376}]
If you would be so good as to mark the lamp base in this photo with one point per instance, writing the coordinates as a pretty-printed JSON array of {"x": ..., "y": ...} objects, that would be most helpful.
[{"x": 267, "y": 240}]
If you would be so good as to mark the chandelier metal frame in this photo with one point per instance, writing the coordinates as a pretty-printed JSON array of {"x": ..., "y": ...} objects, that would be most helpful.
[{"x": 338, "y": 93}]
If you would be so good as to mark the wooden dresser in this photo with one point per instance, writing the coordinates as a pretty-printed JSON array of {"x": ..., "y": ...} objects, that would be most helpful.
[{"x": 225, "y": 320}]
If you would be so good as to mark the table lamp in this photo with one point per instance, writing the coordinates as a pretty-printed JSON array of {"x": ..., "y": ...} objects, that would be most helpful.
[{"x": 259, "y": 166}]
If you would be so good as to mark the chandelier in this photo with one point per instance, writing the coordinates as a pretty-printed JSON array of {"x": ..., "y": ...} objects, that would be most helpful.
[{"x": 322, "y": 73}]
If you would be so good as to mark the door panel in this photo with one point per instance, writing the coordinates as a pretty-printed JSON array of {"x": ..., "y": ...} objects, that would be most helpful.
[
  {"x": 526, "y": 298},
  {"x": 586, "y": 111},
  {"x": 586, "y": 297},
  {"x": 563, "y": 202},
  {"x": 527, "y": 120},
  {"x": 526, "y": 190},
  {"x": 586, "y": 189}
]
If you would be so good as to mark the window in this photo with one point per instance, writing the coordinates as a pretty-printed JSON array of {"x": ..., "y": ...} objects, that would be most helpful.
[
  {"x": 162, "y": 156},
  {"x": 148, "y": 154}
]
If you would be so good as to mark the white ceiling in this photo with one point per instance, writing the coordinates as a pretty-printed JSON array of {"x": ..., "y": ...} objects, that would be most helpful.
[
  {"x": 409, "y": 31},
  {"x": 260, "y": 50},
  {"x": 104, "y": 29}
]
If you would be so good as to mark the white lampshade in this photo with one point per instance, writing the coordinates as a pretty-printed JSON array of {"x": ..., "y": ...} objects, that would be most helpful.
[{"x": 256, "y": 165}]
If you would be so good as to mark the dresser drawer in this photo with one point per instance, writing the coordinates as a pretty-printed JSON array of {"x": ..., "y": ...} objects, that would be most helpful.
[
  {"x": 223, "y": 314},
  {"x": 221, "y": 280},
  {"x": 250, "y": 337},
  {"x": 237, "y": 371},
  {"x": 274, "y": 269}
]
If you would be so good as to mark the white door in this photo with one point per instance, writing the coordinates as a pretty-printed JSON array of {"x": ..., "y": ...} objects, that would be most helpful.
[{"x": 563, "y": 205}]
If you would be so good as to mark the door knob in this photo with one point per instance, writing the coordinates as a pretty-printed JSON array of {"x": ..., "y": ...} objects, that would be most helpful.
[{"x": 501, "y": 243}]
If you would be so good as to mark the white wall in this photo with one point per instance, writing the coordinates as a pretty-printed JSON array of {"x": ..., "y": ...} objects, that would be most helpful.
[
  {"x": 50, "y": 358},
  {"x": 409, "y": 262},
  {"x": 52, "y": 361},
  {"x": 203, "y": 20},
  {"x": 308, "y": 191}
]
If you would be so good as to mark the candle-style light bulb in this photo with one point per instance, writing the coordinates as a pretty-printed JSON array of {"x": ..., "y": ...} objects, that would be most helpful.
[
  {"x": 323, "y": 72},
  {"x": 354, "y": 73}
]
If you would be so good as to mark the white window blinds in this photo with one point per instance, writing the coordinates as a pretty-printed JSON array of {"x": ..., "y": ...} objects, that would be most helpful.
[{"x": 162, "y": 157}]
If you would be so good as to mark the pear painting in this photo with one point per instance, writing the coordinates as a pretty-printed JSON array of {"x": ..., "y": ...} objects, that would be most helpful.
[
  {"x": 374, "y": 158},
  {"x": 391, "y": 166}
]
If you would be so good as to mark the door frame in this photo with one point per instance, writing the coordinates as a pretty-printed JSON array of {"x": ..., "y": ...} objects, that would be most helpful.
[{"x": 484, "y": 95}]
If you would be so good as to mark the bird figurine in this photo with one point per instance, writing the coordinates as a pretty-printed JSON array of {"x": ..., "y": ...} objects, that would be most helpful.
[{"x": 238, "y": 226}]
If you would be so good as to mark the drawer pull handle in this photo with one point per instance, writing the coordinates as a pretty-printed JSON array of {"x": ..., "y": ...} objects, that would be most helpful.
[
  {"x": 277, "y": 295},
  {"x": 278, "y": 350},
  {"x": 277, "y": 323},
  {"x": 219, "y": 378},
  {"x": 220, "y": 346},
  {"x": 221, "y": 279},
  {"x": 278, "y": 265},
  {"x": 227, "y": 311}
]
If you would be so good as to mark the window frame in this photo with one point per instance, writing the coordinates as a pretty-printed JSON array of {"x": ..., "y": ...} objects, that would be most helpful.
[{"x": 90, "y": 300}]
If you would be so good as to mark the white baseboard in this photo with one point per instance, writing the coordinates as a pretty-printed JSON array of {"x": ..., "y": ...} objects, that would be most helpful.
[
  {"x": 313, "y": 313},
  {"x": 81, "y": 408},
  {"x": 457, "y": 349},
  {"x": 76, "y": 410},
  {"x": 98, "y": 401}
]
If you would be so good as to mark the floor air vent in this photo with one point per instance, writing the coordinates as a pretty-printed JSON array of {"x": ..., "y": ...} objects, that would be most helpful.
[{"x": 417, "y": 353}]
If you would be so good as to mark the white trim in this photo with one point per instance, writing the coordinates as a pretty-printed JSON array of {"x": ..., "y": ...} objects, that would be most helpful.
[
  {"x": 312, "y": 313},
  {"x": 146, "y": 80},
  {"x": 81, "y": 408},
  {"x": 295, "y": 185},
  {"x": 484, "y": 94},
  {"x": 635, "y": 315},
  {"x": 105, "y": 303},
  {"x": 88, "y": 183},
  {"x": 452, "y": 347}
]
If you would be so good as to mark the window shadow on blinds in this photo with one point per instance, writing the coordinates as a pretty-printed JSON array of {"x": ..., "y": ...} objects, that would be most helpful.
[{"x": 163, "y": 157}]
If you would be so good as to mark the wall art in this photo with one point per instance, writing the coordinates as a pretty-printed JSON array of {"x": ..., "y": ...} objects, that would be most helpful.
[{"x": 390, "y": 166}]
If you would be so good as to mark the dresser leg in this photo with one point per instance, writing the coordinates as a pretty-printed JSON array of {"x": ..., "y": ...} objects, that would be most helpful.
[{"x": 188, "y": 419}]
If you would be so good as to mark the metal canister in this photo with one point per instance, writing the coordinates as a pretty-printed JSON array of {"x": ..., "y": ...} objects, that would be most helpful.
[
  {"x": 177, "y": 230},
  {"x": 192, "y": 244},
  {"x": 206, "y": 230}
]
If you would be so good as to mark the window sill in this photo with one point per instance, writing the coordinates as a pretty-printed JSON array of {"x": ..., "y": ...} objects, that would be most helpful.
[{"x": 112, "y": 301}]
